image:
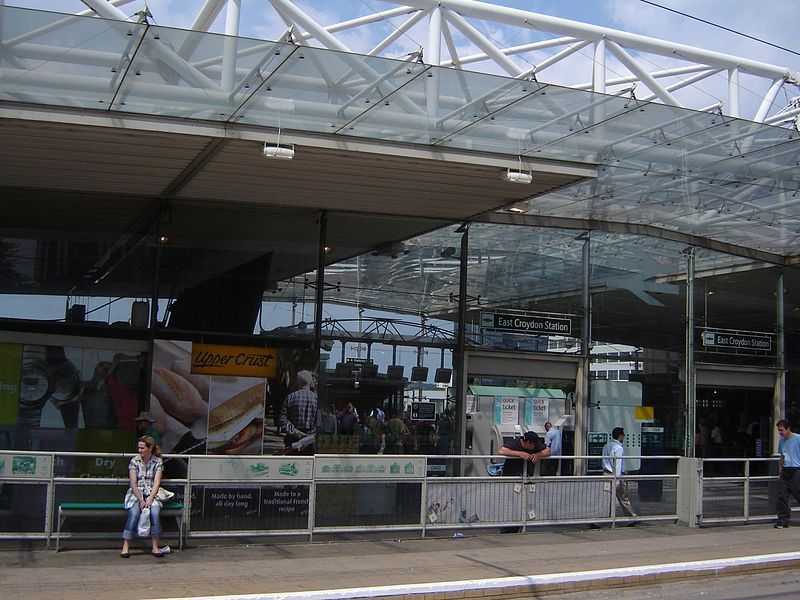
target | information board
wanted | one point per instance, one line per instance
(423, 411)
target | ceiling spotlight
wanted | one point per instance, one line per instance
(327, 249)
(280, 151)
(518, 175)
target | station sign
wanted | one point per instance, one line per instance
(423, 411)
(740, 341)
(531, 324)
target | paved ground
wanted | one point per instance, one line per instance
(261, 567)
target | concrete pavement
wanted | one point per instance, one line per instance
(553, 559)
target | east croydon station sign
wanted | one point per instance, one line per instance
(535, 324)
(741, 341)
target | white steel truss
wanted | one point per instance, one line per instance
(456, 33)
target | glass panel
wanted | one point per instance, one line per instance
(367, 504)
(195, 75)
(216, 279)
(80, 66)
(529, 269)
(23, 507)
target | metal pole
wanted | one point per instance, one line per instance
(779, 402)
(458, 355)
(689, 388)
(582, 385)
(320, 291)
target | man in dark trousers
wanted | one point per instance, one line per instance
(789, 477)
(521, 451)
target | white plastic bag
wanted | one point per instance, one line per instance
(143, 528)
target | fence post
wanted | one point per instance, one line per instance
(747, 490)
(690, 491)
(423, 501)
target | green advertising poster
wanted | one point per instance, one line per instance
(10, 361)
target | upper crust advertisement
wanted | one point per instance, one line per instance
(243, 361)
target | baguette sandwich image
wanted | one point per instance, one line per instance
(237, 425)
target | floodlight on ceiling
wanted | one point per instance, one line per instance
(518, 175)
(278, 150)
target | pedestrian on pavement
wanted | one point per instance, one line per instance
(789, 475)
(552, 440)
(613, 453)
(298, 418)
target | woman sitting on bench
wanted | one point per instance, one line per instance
(145, 472)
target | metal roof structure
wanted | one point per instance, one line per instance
(109, 114)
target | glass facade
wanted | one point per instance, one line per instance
(658, 255)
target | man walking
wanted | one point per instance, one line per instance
(789, 475)
(552, 440)
(613, 452)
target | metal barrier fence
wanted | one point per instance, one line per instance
(737, 490)
(298, 495)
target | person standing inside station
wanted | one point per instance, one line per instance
(552, 440)
(613, 453)
(298, 418)
(789, 475)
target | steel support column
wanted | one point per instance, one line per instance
(460, 378)
(688, 365)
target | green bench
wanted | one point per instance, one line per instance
(116, 509)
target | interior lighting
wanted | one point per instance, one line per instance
(518, 175)
(278, 150)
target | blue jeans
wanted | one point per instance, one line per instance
(133, 521)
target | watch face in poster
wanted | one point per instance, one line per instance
(178, 399)
(236, 415)
(62, 387)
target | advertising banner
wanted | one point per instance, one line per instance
(371, 467)
(199, 413)
(25, 465)
(280, 468)
(10, 362)
(246, 361)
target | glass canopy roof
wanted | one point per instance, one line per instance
(701, 174)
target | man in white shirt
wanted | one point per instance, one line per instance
(613, 452)
(552, 440)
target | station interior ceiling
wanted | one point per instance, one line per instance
(87, 203)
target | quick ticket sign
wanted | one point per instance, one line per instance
(739, 341)
(534, 324)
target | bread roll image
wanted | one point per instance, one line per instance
(158, 412)
(237, 425)
(201, 382)
(177, 396)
